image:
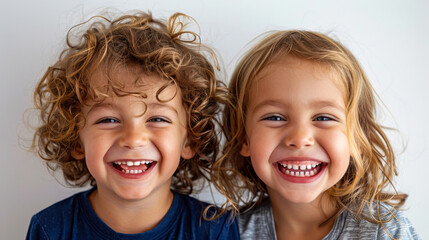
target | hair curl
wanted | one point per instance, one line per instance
(162, 48)
(372, 163)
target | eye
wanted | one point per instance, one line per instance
(107, 120)
(159, 119)
(273, 118)
(324, 118)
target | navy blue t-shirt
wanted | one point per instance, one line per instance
(74, 218)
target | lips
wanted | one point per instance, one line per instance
(304, 170)
(300, 170)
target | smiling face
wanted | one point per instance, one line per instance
(296, 129)
(132, 145)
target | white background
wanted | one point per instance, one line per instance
(390, 39)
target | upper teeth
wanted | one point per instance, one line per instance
(133, 163)
(299, 167)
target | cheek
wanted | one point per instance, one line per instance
(258, 147)
(261, 148)
(338, 149)
(96, 146)
(261, 168)
(170, 143)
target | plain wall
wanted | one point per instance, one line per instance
(389, 38)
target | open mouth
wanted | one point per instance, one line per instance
(133, 167)
(300, 170)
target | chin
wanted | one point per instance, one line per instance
(298, 196)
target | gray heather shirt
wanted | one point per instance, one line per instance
(259, 224)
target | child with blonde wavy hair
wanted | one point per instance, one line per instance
(130, 108)
(304, 156)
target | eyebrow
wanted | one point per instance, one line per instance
(100, 105)
(316, 104)
(330, 104)
(162, 106)
(268, 103)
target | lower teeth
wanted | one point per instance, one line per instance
(132, 171)
(301, 174)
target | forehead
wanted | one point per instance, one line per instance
(292, 78)
(290, 66)
(130, 80)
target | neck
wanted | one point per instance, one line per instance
(302, 220)
(131, 217)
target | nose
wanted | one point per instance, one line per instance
(299, 136)
(134, 136)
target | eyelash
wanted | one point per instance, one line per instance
(159, 119)
(274, 118)
(325, 118)
(107, 120)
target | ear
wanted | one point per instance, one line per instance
(78, 152)
(245, 149)
(187, 151)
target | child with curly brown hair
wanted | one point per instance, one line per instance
(305, 157)
(130, 107)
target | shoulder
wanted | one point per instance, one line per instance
(391, 223)
(63, 207)
(396, 223)
(191, 202)
(257, 223)
(256, 215)
(192, 219)
(190, 207)
(55, 218)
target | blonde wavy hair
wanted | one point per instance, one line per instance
(162, 48)
(372, 161)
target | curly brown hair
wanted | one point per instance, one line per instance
(372, 163)
(162, 48)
